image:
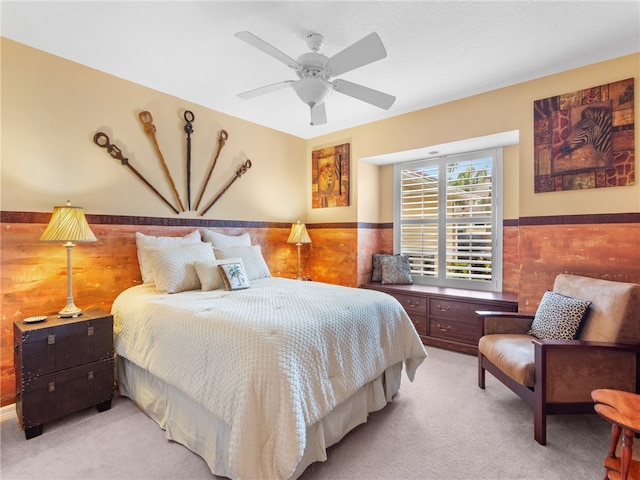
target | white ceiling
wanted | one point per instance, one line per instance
(438, 51)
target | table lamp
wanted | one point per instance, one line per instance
(68, 224)
(298, 236)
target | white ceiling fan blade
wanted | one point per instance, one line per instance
(260, 44)
(361, 53)
(318, 114)
(366, 94)
(266, 89)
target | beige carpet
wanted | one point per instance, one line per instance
(442, 426)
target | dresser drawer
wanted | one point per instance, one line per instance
(59, 344)
(446, 308)
(420, 323)
(412, 304)
(48, 397)
(455, 330)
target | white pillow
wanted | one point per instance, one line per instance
(220, 240)
(174, 267)
(209, 274)
(252, 259)
(143, 241)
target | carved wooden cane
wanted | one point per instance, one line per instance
(150, 129)
(241, 171)
(188, 128)
(222, 138)
(102, 140)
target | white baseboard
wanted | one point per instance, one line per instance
(7, 412)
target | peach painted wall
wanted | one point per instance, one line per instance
(502, 110)
(52, 108)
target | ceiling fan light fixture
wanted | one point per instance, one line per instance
(315, 70)
(312, 90)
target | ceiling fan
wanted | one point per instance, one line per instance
(315, 70)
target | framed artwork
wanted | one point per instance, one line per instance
(330, 177)
(585, 139)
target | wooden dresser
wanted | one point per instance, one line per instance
(63, 365)
(445, 317)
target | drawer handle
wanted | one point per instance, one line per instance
(443, 329)
(90, 331)
(52, 386)
(90, 375)
(51, 339)
(443, 309)
(413, 304)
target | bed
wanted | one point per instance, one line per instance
(261, 380)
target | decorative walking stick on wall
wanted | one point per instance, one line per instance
(102, 140)
(188, 128)
(150, 129)
(222, 139)
(242, 169)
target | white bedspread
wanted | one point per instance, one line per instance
(269, 360)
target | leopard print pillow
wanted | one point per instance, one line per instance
(376, 272)
(396, 270)
(559, 317)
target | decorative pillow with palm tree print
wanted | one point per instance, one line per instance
(209, 274)
(234, 276)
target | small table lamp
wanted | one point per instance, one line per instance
(298, 236)
(68, 224)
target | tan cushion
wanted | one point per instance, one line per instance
(511, 353)
(613, 315)
(253, 262)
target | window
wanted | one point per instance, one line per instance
(448, 219)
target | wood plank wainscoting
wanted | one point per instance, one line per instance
(34, 273)
(535, 250)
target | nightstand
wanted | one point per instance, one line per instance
(63, 365)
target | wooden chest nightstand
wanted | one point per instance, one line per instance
(63, 365)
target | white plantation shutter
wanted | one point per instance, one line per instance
(419, 225)
(448, 220)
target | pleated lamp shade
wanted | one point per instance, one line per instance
(298, 234)
(68, 224)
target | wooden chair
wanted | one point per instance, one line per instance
(558, 376)
(622, 409)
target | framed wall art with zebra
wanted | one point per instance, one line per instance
(585, 139)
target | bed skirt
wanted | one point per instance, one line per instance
(191, 425)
